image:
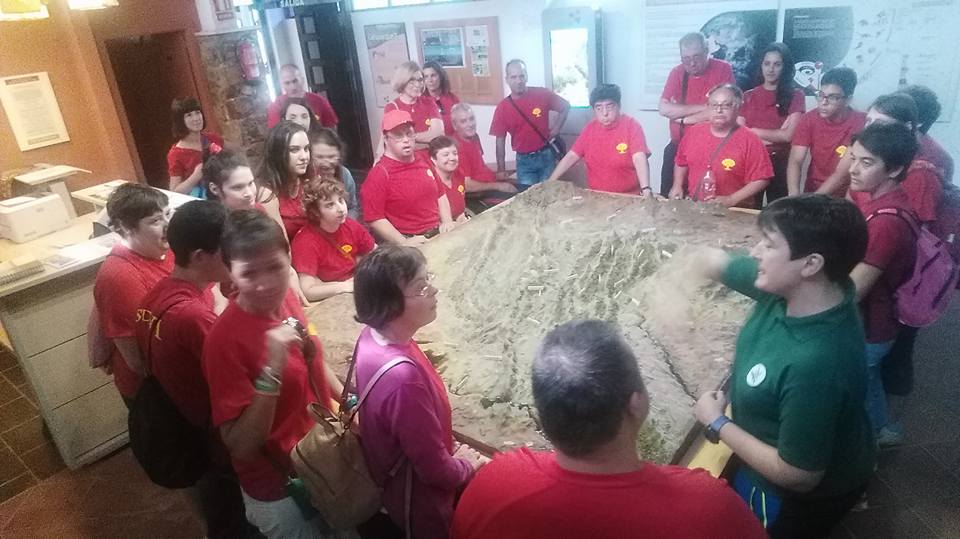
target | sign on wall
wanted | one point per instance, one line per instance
(32, 110)
(387, 47)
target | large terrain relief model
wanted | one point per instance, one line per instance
(557, 253)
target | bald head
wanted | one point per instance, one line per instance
(291, 81)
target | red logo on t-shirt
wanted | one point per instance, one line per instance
(537, 112)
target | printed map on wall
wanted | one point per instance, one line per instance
(387, 47)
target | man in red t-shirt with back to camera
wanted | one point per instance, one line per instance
(720, 161)
(684, 98)
(592, 403)
(293, 85)
(172, 325)
(824, 133)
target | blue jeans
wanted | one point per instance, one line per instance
(534, 167)
(876, 398)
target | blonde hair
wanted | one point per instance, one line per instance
(402, 75)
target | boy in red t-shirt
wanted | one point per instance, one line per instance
(825, 134)
(172, 325)
(879, 159)
(135, 264)
(328, 248)
(595, 484)
(258, 366)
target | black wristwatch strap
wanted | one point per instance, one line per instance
(712, 433)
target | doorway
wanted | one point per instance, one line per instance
(151, 70)
(332, 69)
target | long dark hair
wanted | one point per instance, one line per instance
(274, 169)
(786, 85)
(444, 79)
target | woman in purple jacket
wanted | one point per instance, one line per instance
(405, 422)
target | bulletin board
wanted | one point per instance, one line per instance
(469, 50)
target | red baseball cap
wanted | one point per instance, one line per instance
(395, 118)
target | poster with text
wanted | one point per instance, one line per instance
(819, 39)
(387, 48)
(32, 110)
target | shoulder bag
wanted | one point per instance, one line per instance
(556, 144)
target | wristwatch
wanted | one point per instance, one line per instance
(712, 432)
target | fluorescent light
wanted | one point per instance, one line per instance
(92, 4)
(22, 10)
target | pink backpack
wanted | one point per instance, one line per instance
(947, 225)
(923, 297)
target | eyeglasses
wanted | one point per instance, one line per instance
(830, 98)
(722, 107)
(415, 79)
(427, 290)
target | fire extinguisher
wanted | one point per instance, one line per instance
(249, 59)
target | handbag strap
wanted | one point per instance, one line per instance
(713, 155)
(154, 326)
(528, 120)
(373, 381)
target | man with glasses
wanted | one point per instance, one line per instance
(824, 133)
(684, 97)
(403, 200)
(525, 115)
(719, 161)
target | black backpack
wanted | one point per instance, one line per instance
(174, 452)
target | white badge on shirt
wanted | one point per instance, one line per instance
(756, 375)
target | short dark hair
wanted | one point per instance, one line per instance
(900, 106)
(273, 172)
(583, 376)
(218, 168)
(844, 77)
(248, 233)
(444, 78)
(440, 143)
(180, 107)
(815, 223)
(378, 283)
(895, 144)
(928, 105)
(133, 201)
(605, 92)
(196, 225)
(314, 122)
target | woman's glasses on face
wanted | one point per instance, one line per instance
(428, 288)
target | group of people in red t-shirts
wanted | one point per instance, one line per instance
(211, 301)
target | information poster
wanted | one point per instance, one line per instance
(478, 41)
(32, 110)
(387, 48)
(443, 45)
(819, 39)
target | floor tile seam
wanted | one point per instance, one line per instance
(932, 529)
(25, 492)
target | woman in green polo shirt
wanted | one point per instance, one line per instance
(799, 380)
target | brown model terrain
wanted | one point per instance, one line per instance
(557, 253)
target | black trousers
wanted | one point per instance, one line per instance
(222, 505)
(778, 185)
(896, 371)
(812, 519)
(666, 171)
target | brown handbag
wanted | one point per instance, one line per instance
(330, 462)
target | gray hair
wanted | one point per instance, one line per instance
(584, 375)
(461, 107)
(515, 61)
(694, 38)
(732, 88)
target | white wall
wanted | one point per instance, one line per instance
(521, 35)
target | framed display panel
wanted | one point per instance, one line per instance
(469, 50)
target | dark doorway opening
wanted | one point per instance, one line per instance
(151, 70)
(332, 69)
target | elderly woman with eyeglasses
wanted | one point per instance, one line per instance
(408, 82)
(405, 420)
(719, 161)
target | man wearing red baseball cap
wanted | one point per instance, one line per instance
(403, 201)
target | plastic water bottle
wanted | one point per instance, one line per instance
(708, 188)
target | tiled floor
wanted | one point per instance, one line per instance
(915, 493)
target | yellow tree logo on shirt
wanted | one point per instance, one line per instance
(537, 112)
(427, 121)
(345, 250)
(728, 164)
(429, 173)
(841, 149)
(622, 147)
(460, 188)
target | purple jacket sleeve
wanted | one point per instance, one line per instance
(410, 409)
